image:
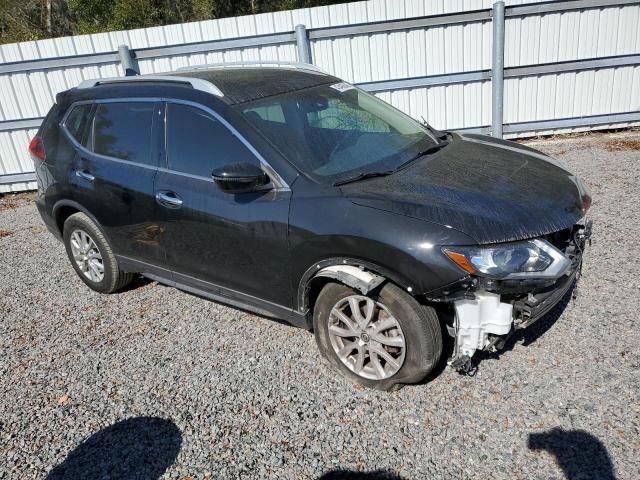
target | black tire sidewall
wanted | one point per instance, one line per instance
(82, 222)
(419, 325)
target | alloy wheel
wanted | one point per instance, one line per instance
(366, 337)
(87, 255)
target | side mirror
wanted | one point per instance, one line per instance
(240, 177)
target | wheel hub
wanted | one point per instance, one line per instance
(87, 255)
(366, 337)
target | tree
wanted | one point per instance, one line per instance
(22, 20)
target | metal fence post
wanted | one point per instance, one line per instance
(129, 63)
(304, 47)
(497, 70)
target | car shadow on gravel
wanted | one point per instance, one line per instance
(352, 475)
(579, 454)
(140, 447)
(138, 282)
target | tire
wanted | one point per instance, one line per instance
(419, 329)
(97, 251)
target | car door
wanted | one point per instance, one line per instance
(212, 238)
(113, 173)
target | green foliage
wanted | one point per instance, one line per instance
(22, 20)
(91, 16)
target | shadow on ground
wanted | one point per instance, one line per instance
(140, 447)
(579, 454)
(138, 282)
(351, 475)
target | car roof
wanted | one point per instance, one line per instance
(244, 84)
(233, 84)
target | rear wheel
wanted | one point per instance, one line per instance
(380, 341)
(91, 255)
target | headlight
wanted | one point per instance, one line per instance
(530, 259)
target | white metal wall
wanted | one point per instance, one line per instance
(431, 51)
(369, 57)
(528, 41)
(570, 36)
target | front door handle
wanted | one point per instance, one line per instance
(86, 175)
(169, 200)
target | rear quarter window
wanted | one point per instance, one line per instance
(77, 122)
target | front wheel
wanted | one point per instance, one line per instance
(381, 341)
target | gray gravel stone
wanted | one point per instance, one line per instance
(153, 379)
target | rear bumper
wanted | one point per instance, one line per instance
(48, 220)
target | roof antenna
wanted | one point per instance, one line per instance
(128, 61)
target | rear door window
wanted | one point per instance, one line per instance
(197, 142)
(123, 130)
(77, 122)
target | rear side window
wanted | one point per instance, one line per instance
(123, 130)
(77, 122)
(197, 142)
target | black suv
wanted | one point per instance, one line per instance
(290, 193)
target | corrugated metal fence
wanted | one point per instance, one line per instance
(567, 64)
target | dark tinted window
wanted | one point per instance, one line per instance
(78, 120)
(197, 142)
(123, 130)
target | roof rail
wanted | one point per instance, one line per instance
(254, 63)
(196, 83)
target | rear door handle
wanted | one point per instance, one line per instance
(169, 200)
(86, 175)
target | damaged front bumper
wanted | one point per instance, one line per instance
(489, 311)
(535, 306)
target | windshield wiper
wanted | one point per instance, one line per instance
(431, 149)
(362, 176)
(384, 173)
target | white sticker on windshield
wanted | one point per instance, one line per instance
(342, 86)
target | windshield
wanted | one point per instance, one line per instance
(334, 132)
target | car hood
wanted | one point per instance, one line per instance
(491, 190)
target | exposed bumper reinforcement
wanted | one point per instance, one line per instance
(534, 307)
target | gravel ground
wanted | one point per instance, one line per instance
(153, 381)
